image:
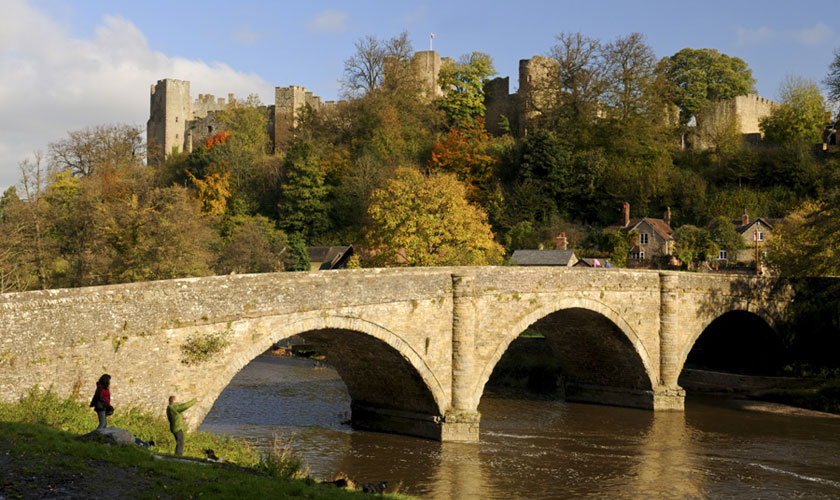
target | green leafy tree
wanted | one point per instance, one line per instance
(801, 116)
(698, 76)
(694, 245)
(806, 243)
(463, 87)
(298, 256)
(723, 233)
(251, 244)
(156, 234)
(426, 221)
(303, 208)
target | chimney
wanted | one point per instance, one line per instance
(626, 210)
(560, 242)
(745, 219)
(667, 216)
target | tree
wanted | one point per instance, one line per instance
(801, 116)
(463, 87)
(252, 244)
(470, 153)
(426, 221)
(723, 233)
(366, 70)
(629, 76)
(697, 76)
(304, 206)
(694, 244)
(84, 152)
(574, 85)
(832, 81)
(157, 234)
(806, 243)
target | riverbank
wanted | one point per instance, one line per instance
(39, 458)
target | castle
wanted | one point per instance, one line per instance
(176, 122)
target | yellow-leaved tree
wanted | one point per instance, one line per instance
(418, 220)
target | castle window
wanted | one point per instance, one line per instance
(177, 136)
(209, 129)
(176, 119)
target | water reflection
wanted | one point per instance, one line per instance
(666, 463)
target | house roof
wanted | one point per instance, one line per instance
(659, 225)
(770, 223)
(544, 257)
(329, 257)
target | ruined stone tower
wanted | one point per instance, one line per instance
(170, 110)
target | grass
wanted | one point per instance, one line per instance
(824, 398)
(39, 457)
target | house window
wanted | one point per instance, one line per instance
(641, 255)
(723, 255)
(760, 236)
(643, 239)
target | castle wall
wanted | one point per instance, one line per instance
(499, 102)
(750, 109)
(205, 103)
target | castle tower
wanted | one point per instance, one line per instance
(426, 65)
(287, 102)
(169, 112)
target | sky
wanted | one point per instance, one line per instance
(70, 64)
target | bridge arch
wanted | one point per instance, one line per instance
(744, 310)
(578, 308)
(373, 348)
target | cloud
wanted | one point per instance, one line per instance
(819, 34)
(52, 82)
(329, 21)
(244, 35)
(753, 36)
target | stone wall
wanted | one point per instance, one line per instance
(415, 347)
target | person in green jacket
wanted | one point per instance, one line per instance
(176, 421)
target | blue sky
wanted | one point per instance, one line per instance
(65, 65)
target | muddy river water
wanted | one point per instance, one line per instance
(540, 449)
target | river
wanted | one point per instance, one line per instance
(539, 449)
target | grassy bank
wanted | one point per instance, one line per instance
(40, 458)
(824, 398)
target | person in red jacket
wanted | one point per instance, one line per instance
(101, 401)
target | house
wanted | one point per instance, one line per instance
(324, 258)
(760, 230)
(655, 235)
(560, 256)
(564, 258)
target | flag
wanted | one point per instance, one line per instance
(431, 35)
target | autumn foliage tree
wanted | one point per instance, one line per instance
(418, 220)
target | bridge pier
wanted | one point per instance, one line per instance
(669, 395)
(460, 423)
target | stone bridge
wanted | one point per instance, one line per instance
(415, 346)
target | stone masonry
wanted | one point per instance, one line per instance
(415, 347)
